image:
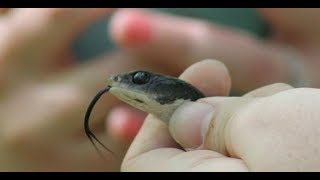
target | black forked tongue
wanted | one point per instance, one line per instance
(88, 132)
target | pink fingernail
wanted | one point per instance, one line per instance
(132, 28)
(138, 29)
(124, 124)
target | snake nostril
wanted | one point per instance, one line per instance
(115, 78)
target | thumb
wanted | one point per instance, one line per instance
(192, 122)
(203, 123)
(272, 133)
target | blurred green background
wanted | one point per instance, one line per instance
(95, 41)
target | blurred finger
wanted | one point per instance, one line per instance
(184, 41)
(34, 37)
(124, 122)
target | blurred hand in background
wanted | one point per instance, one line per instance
(291, 55)
(44, 93)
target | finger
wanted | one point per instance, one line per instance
(34, 38)
(124, 122)
(210, 76)
(251, 63)
(193, 119)
(154, 134)
(192, 161)
(213, 79)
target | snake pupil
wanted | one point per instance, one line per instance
(140, 78)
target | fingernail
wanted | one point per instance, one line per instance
(189, 123)
(131, 27)
(123, 123)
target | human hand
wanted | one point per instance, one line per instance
(273, 128)
(44, 94)
(291, 56)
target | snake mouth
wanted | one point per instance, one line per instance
(131, 95)
(111, 81)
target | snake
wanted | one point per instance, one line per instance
(153, 93)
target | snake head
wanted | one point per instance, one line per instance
(153, 93)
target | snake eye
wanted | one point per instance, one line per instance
(140, 77)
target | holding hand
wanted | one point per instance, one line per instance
(273, 128)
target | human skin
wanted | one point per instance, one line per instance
(272, 128)
(44, 94)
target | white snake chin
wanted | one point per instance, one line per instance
(146, 104)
